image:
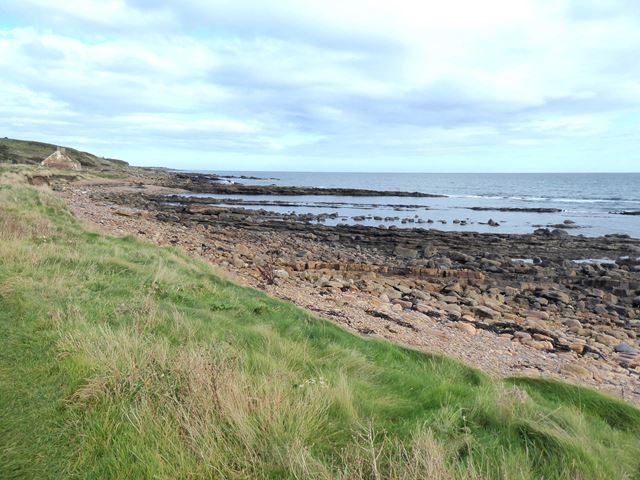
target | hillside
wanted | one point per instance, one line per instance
(119, 359)
(30, 152)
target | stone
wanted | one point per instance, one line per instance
(538, 344)
(243, 250)
(392, 293)
(511, 292)
(636, 302)
(540, 315)
(403, 303)
(520, 336)
(624, 348)
(449, 299)
(605, 339)
(486, 312)
(404, 252)
(281, 273)
(533, 322)
(466, 328)
(238, 263)
(576, 347)
(557, 296)
(419, 294)
(576, 370)
(573, 325)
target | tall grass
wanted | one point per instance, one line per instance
(123, 360)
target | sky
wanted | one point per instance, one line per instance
(349, 85)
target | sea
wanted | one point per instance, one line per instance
(592, 201)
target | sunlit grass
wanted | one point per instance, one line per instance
(120, 359)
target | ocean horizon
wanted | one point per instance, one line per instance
(590, 204)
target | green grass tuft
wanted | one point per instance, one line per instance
(119, 359)
(32, 153)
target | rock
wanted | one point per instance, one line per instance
(556, 232)
(573, 325)
(486, 312)
(404, 252)
(624, 348)
(576, 370)
(392, 293)
(511, 292)
(238, 263)
(636, 302)
(420, 295)
(557, 296)
(533, 322)
(449, 299)
(605, 339)
(538, 344)
(540, 315)
(576, 347)
(600, 309)
(520, 336)
(281, 273)
(493, 223)
(403, 303)
(466, 328)
(453, 309)
(243, 250)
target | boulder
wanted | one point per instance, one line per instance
(557, 296)
(466, 328)
(607, 340)
(573, 325)
(281, 273)
(575, 370)
(486, 312)
(404, 252)
(624, 348)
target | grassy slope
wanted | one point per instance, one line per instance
(30, 152)
(123, 360)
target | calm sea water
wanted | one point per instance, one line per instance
(590, 200)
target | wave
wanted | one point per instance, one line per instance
(549, 199)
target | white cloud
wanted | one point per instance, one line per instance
(323, 78)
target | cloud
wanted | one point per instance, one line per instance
(407, 79)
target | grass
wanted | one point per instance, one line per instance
(29, 152)
(25, 173)
(119, 359)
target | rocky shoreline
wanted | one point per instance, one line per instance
(538, 304)
(209, 183)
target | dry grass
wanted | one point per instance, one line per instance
(122, 360)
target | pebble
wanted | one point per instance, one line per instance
(624, 348)
(466, 328)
